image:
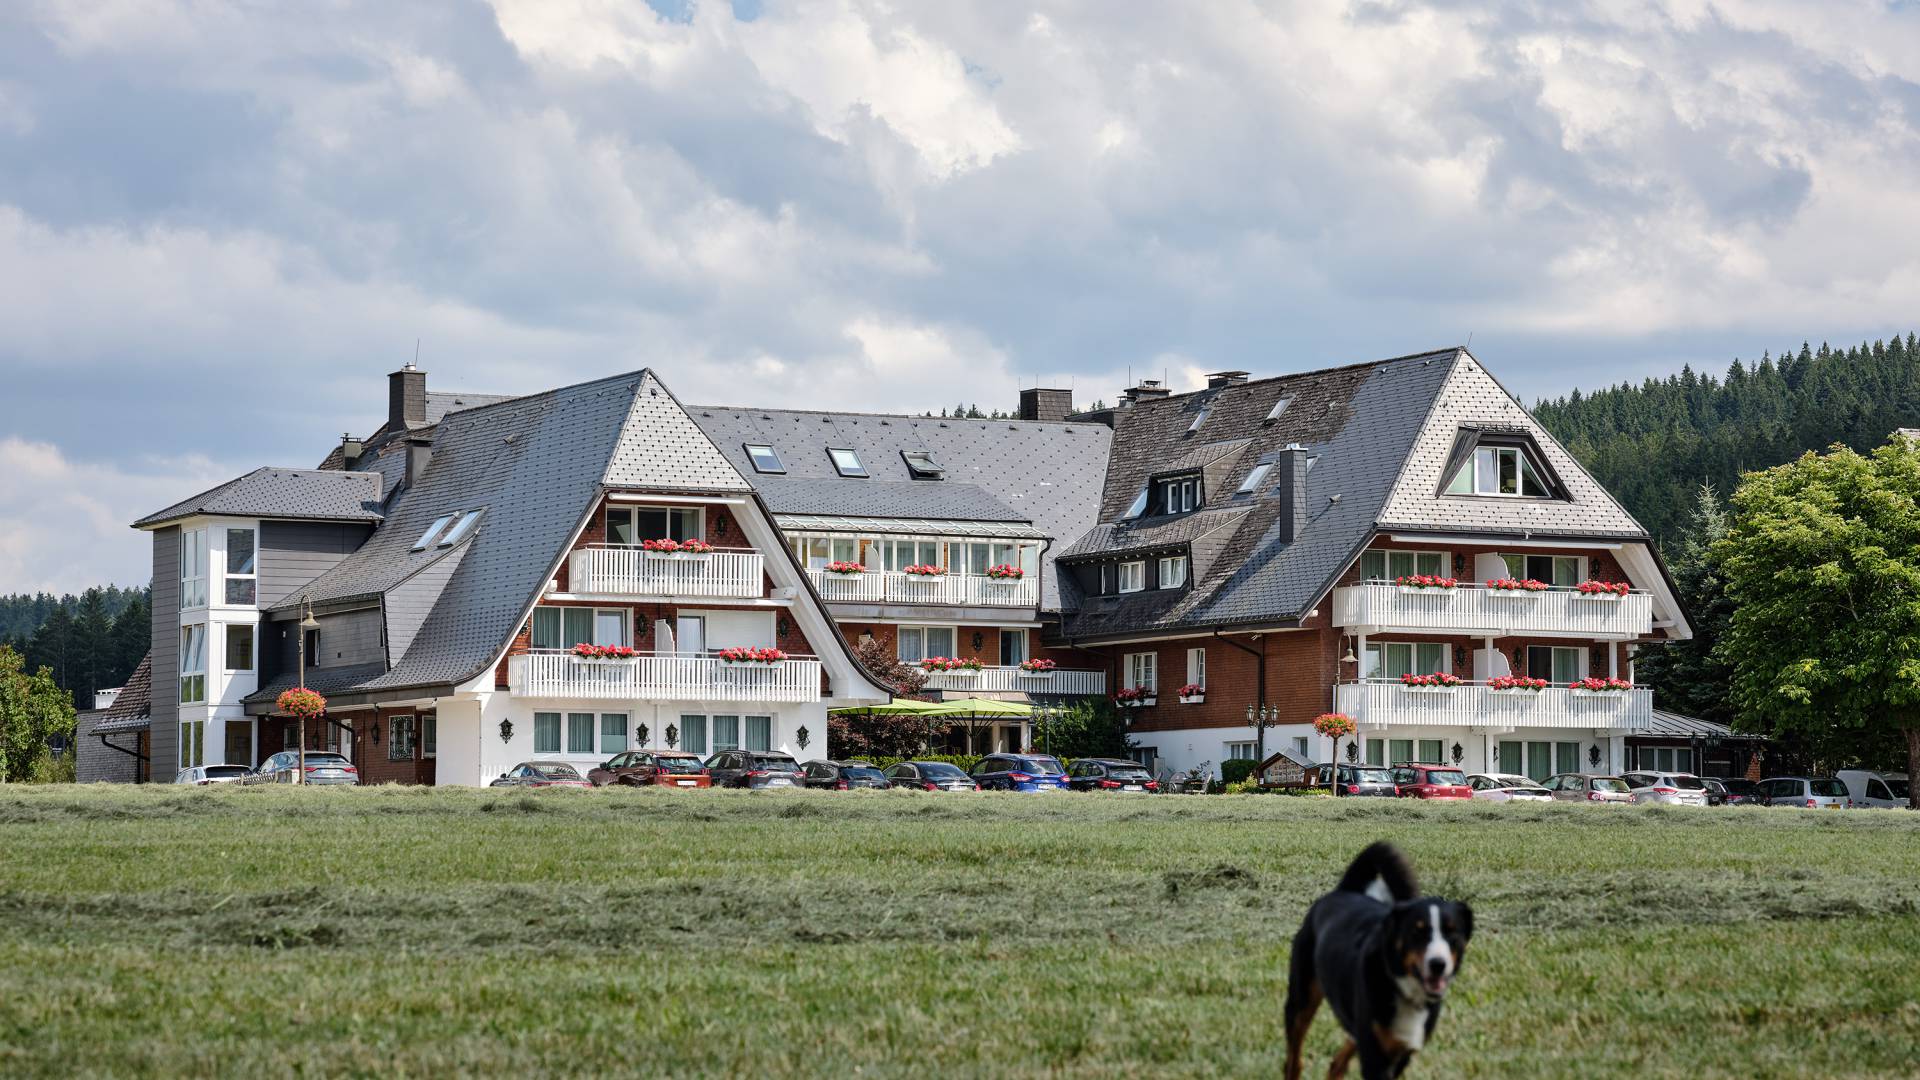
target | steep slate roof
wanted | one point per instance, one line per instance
(941, 501)
(1040, 471)
(1358, 423)
(533, 465)
(295, 494)
(132, 708)
(439, 404)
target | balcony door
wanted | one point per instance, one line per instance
(900, 554)
(1555, 663)
(565, 627)
(1392, 659)
(1562, 570)
(631, 525)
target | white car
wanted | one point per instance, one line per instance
(1507, 787)
(1877, 790)
(1672, 788)
(213, 774)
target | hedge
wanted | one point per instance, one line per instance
(1236, 770)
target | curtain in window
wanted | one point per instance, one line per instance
(1511, 761)
(759, 732)
(1376, 751)
(613, 732)
(1431, 751)
(693, 733)
(1566, 757)
(1013, 646)
(726, 733)
(580, 733)
(400, 738)
(1539, 760)
(1401, 750)
(546, 733)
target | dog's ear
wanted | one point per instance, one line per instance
(1466, 921)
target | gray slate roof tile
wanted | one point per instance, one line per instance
(268, 492)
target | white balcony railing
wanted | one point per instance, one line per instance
(683, 677)
(618, 570)
(1378, 704)
(1057, 681)
(1475, 607)
(895, 587)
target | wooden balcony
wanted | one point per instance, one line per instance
(1477, 610)
(618, 570)
(953, 590)
(682, 677)
(1057, 681)
(1383, 703)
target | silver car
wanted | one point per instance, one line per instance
(323, 767)
(1815, 792)
(1589, 787)
(1507, 787)
(214, 774)
(1671, 788)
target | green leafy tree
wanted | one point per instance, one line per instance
(1690, 677)
(1822, 568)
(32, 709)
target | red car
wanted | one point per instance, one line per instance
(1431, 782)
(651, 768)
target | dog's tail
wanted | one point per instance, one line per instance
(1382, 873)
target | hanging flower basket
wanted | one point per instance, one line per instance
(1193, 694)
(1507, 586)
(1037, 668)
(1517, 685)
(1600, 686)
(1426, 583)
(1334, 725)
(1602, 590)
(301, 703)
(1439, 682)
(744, 655)
(849, 569)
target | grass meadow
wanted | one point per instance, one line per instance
(421, 932)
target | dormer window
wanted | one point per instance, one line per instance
(1177, 495)
(765, 458)
(846, 462)
(1503, 468)
(920, 463)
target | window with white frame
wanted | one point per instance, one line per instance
(1179, 494)
(1499, 470)
(919, 642)
(580, 732)
(631, 525)
(1131, 577)
(1013, 646)
(1562, 570)
(400, 735)
(1278, 408)
(1556, 663)
(613, 733)
(565, 627)
(546, 733)
(1300, 745)
(693, 733)
(726, 731)
(1173, 571)
(193, 568)
(846, 463)
(1377, 564)
(1142, 670)
(433, 532)
(1392, 659)
(460, 528)
(1139, 504)
(241, 576)
(1240, 751)
(1254, 478)
(193, 743)
(898, 554)
(239, 646)
(193, 663)
(1197, 667)
(815, 552)
(759, 732)
(765, 458)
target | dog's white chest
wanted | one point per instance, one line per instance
(1409, 1027)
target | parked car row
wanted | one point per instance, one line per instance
(771, 769)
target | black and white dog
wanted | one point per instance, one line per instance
(1381, 956)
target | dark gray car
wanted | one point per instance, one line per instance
(754, 769)
(930, 776)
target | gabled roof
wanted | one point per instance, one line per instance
(132, 707)
(1358, 423)
(439, 404)
(1044, 472)
(291, 494)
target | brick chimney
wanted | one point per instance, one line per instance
(1041, 404)
(406, 399)
(1225, 378)
(1292, 467)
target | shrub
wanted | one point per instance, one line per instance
(1236, 770)
(963, 762)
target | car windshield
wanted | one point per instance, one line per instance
(1827, 789)
(556, 772)
(1447, 777)
(681, 765)
(1132, 774)
(862, 772)
(941, 770)
(1610, 783)
(1688, 783)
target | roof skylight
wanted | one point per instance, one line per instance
(846, 462)
(433, 530)
(1199, 418)
(765, 458)
(1278, 408)
(461, 528)
(1253, 479)
(921, 464)
(1139, 505)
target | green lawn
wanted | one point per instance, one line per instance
(407, 931)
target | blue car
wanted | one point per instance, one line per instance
(1019, 772)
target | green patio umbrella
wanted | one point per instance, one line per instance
(981, 707)
(896, 707)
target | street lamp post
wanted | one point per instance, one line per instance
(307, 622)
(1261, 717)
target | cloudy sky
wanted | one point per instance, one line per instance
(222, 221)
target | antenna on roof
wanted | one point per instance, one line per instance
(1469, 343)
